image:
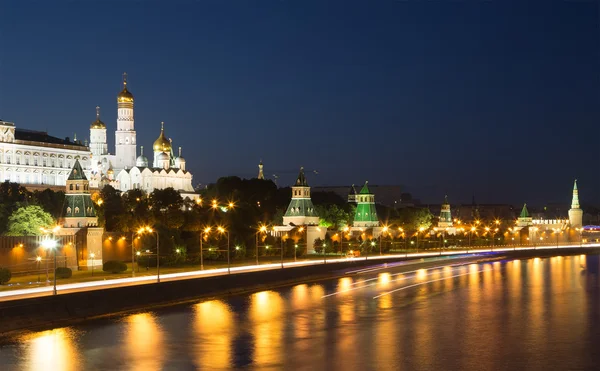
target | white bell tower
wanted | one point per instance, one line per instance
(125, 141)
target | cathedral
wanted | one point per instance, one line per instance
(125, 170)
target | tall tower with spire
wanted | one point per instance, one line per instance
(98, 145)
(261, 174)
(445, 220)
(575, 213)
(125, 138)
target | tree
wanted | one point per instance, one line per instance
(414, 218)
(332, 216)
(12, 196)
(50, 201)
(27, 221)
(112, 211)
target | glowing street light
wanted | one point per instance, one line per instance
(38, 259)
(222, 230)
(50, 243)
(261, 229)
(150, 230)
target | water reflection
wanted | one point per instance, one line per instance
(509, 315)
(266, 310)
(213, 327)
(144, 344)
(52, 350)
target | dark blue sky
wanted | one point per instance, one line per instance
(496, 98)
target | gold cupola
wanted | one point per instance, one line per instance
(125, 95)
(97, 124)
(162, 144)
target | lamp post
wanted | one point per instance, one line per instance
(38, 259)
(92, 255)
(150, 230)
(473, 229)
(222, 230)
(306, 242)
(345, 230)
(282, 252)
(421, 229)
(385, 229)
(50, 243)
(202, 234)
(263, 229)
(138, 260)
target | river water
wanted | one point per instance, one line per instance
(536, 314)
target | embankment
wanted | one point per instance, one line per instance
(54, 311)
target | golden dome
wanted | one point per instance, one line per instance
(97, 124)
(125, 95)
(162, 144)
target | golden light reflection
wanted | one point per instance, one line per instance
(385, 302)
(266, 308)
(213, 327)
(143, 337)
(422, 274)
(52, 350)
(300, 296)
(344, 283)
(384, 279)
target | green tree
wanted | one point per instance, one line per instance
(412, 218)
(27, 221)
(332, 216)
(12, 196)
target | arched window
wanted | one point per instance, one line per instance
(70, 187)
(77, 187)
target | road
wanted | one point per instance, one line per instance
(145, 280)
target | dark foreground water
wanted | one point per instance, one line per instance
(538, 314)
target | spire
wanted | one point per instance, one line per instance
(365, 189)
(74, 137)
(179, 151)
(301, 181)
(261, 174)
(524, 212)
(141, 150)
(575, 200)
(446, 200)
(162, 126)
(77, 172)
(124, 80)
(97, 113)
(352, 190)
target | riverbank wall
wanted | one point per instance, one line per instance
(63, 309)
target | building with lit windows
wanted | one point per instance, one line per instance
(35, 158)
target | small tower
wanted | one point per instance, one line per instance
(78, 208)
(445, 215)
(125, 142)
(98, 145)
(180, 161)
(301, 210)
(141, 161)
(261, 175)
(575, 213)
(352, 195)
(162, 150)
(524, 220)
(366, 214)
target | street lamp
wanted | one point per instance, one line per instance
(93, 256)
(222, 230)
(385, 229)
(421, 229)
(50, 243)
(202, 234)
(473, 229)
(150, 230)
(263, 229)
(38, 259)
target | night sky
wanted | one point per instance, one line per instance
(493, 98)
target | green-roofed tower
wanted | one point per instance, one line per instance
(366, 214)
(78, 208)
(301, 210)
(524, 219)
(575, 213)
(445, 220)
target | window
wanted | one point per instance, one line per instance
(70, 187)
(76, 210)
(77, 187)
(69, 210)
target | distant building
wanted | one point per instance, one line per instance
(388, 195)
(35, 158)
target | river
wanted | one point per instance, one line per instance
(533, 314)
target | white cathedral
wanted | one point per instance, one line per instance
(125, 170)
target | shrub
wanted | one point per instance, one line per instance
(63, 272)
(114, 266)
(5, 275)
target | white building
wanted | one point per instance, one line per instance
(125, 170)
(36, 158)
